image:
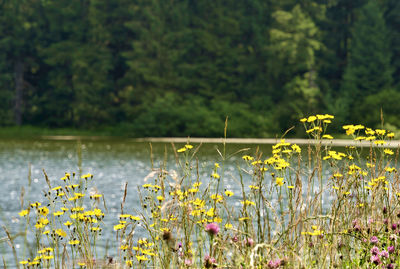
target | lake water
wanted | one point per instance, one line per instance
(112, 162)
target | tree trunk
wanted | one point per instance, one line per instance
(19, 87)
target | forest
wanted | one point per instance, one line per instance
(180, 67)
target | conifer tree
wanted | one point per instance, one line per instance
(369, 69)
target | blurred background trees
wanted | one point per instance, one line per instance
(178, 68)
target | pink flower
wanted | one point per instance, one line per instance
(212, 228)
(391, 249)
(374, 240)
(209, 261)
(375, 260)
(384, 254)
(188, 262)
(374, 250)
(249, 242)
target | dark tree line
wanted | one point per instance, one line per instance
(179, 67)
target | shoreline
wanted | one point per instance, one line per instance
(268, 141)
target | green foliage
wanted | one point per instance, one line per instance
(145, 65)
(387, 101)
(369, 70)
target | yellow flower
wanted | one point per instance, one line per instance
(37, 204)
(61, 233)
(290, 187)
(228, 193)
(58, 213)
(181, 150)
(68, 223)
(247, 202)
(279, 181)
(188, 146)
(311, 119)
(327, 136)
(118, 227)
(228, 226)
(141, 258)
(388, 151)
(303, 120)
(247, 158)
(23, 213)
(74, 242)
(215, 175)
(87, 176)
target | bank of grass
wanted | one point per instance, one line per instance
(276, 218)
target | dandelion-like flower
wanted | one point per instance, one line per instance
(212, 228)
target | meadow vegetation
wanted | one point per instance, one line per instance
(279, 218)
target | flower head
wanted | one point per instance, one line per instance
(212, 228)
(373, 240)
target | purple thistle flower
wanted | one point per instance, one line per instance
(394, 226)
(212, 228)
(374, 240)
(249, 242)
(374, 250)
(274, 264)
(375, 260)
(384, 254)
(390, 249)
(390, 266)
(209, 261)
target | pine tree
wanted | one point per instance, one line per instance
(369, 70)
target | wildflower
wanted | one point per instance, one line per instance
(384, 254)
(388, 151)
(228, 193)
(290, 187)
(215, 175)
(68, 224)
(141, 258)
(311, 118)
(375, 259)
(247, 158)
(374, 250)
(247, 202)
(188, 146)
(118, 227)
(212, 228)
(209, 261)
(279, 181)
(181, 150)
(61, 232)
(272, 264)
(228, 226)
(74, 242)
(87, 176)
(373, 240)
(390, 249)
(327, 136)
(249, 242)
(188, 262)
(23, 213)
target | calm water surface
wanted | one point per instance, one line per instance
(112, 162)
